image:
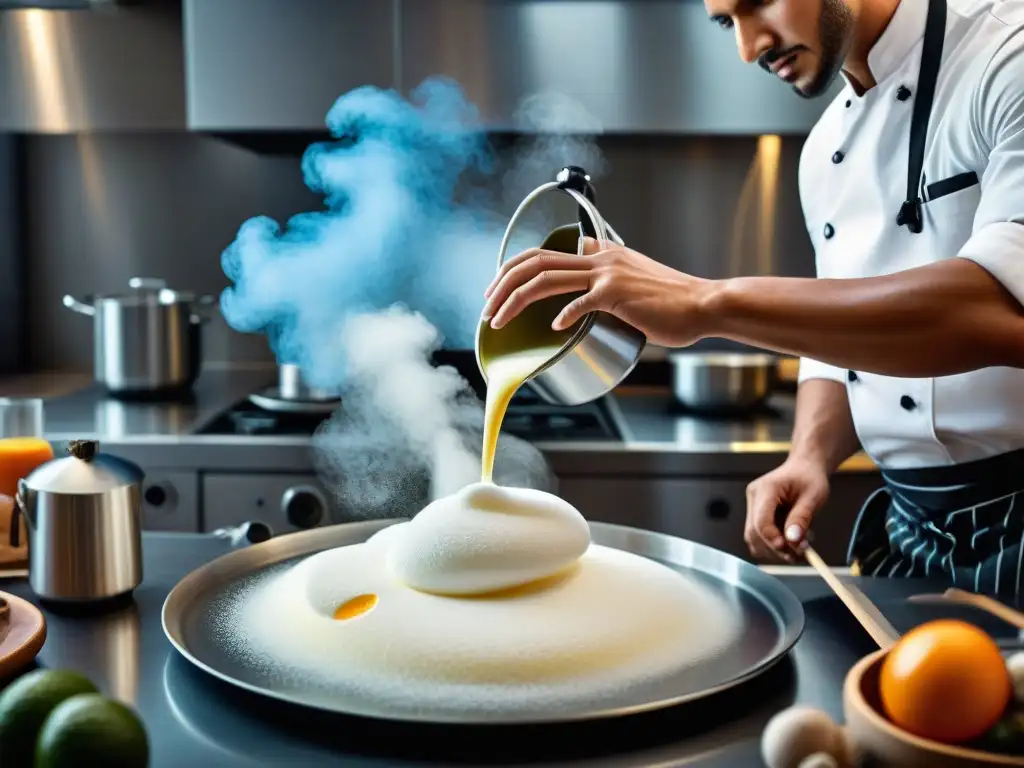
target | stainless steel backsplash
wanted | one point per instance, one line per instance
(102, 208)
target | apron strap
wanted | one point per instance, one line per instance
(931, 60)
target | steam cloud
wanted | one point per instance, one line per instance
(400, 255)
(409, 431)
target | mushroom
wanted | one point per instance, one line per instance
(803, 737)
(1015, 666)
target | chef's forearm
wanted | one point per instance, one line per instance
(941, 319)
(823, 431)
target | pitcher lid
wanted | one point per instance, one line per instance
(84, 471)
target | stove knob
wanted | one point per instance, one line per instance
(718, 509)
(304, 506)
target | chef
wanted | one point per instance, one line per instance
(911, 338)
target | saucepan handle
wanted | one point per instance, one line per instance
(16, 515)
(601, 228)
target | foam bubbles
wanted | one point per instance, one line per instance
(487, 538)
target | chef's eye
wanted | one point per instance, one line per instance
(725, 22)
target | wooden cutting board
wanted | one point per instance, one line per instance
(22, 634)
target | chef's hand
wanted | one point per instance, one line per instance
(664, 304)
(798, 488)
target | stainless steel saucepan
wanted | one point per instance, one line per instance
(603, 350)
(723, 381)
(147, 341)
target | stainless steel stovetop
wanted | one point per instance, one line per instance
(528, 417)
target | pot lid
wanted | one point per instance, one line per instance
(85, 471)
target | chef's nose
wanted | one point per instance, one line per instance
(753, 39)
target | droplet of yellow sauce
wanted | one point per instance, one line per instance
(357, 606)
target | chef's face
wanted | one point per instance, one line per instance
(802, 42)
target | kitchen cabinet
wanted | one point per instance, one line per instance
(654, 66)
(280, 65)
(710, 511)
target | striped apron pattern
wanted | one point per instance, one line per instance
(963, 522)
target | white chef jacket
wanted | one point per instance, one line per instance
(853, 180)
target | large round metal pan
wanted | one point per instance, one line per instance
(772, 621)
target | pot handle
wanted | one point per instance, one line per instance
(202, 309)
(602, 229)
(79, 306)
(19, 511)
(147, 284)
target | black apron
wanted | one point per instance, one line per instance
(964, 522)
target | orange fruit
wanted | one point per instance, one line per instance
(946, 681)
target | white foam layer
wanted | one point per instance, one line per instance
(486, 538)
(611, 622)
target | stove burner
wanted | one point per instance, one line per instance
(539, 421)
(527, 418)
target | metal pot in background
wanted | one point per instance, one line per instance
(293, 395)
(148, 341)
(83, 516)
(722, 381)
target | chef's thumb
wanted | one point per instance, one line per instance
(798, 522)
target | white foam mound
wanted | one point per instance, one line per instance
(487, 538)
(593, 631)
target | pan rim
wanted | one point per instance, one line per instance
(773, 596)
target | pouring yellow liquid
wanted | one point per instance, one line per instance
(510, 356)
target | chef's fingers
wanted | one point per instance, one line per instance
(510, 264)
(765, 500)
(526, 270)
(535, 256)
(798, 521)
(577, 308)
(761, 534)
(542, 286)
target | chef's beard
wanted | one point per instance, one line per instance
(834, 28)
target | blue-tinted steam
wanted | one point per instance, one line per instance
(360, 294)
(391, 232)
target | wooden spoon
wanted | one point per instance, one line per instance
(999, 610)
(874, 623)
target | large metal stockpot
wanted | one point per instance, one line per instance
(147, 341)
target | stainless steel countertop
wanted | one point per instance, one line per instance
(192, 719)
(655, 439)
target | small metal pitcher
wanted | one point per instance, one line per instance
(602, 349)
(83, 515)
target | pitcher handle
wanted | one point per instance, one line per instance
(601, 227)
(16, 515)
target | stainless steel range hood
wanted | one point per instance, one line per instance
(277, 66)
(68, 71)
(650, 66)
(60, 5)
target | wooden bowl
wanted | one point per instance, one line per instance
(22, 634)
(868, 730)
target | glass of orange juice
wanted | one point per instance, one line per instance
(22, 447)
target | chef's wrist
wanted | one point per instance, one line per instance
(713, 303)
(811, 458)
